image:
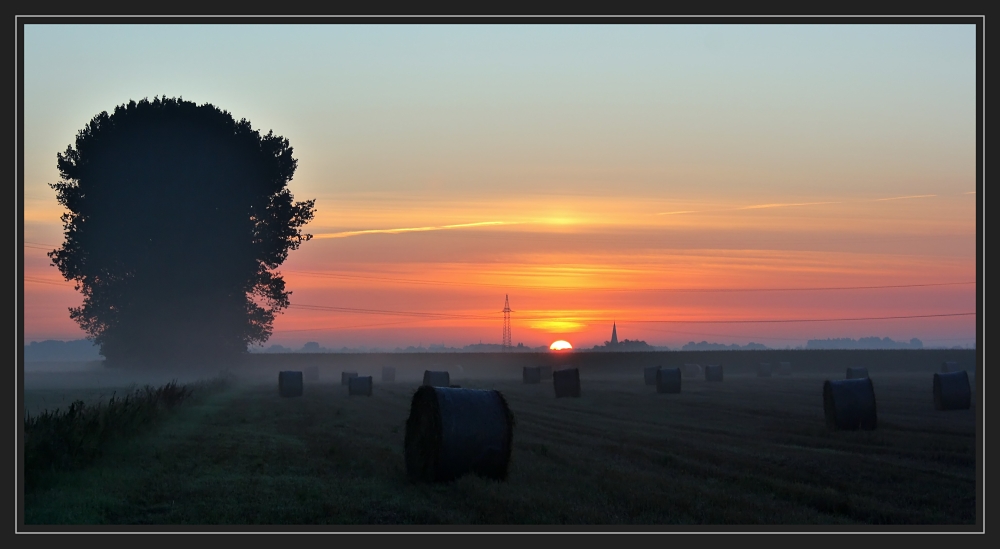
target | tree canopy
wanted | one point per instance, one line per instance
(178, 216)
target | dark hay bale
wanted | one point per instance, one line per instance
(360, 386)
(784, 368)
(668, 380)
(857, 373)
(952, 391)
(763, 369)
(649, 375)
(388, 374)
(436, 379)
(566, 382)
(531, 375)
(453, 432)
(546, 373)
(346, 376)
(849, 404)
(713, 372)
(949, 367)
(691, 370)
(290, 383)
(311, 373)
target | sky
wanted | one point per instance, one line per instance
(685, 182)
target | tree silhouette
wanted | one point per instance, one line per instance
(178, 217)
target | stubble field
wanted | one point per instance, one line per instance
(747, 451)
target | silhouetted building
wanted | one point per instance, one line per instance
(625, 345)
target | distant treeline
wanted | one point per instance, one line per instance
(85, 350)
(863, 343)
(54, 350)
(706, 346)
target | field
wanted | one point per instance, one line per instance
(747, 451)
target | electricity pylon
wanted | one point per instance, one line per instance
(506, 323)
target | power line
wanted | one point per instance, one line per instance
(388, 312)
(44, 281)
(585, 288)
(348, 327)
(797, 319)
(483, 317)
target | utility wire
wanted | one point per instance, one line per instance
(44, 281)
(485, 317)
(585, 288)
(795, 320)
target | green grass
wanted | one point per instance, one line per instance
(748, 451)
(72, 437)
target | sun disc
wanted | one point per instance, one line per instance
(560, 345)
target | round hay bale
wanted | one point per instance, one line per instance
(290, 383)
(949, 367)
(453, 432)
(952, 391)
(359, 386)
(566, 382)
(546, 373)
(388, 374)
(713, 372)
(668, 380)
(531, 375)
(346, 376)
(857, 373)
(649, 375)
(849, 404)
(436, 378)
(311, 374)
(763, 369)
(784, 368)
(691, 370)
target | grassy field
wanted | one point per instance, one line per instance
(748, 451)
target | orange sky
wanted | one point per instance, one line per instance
(573, 267)
(587, 171)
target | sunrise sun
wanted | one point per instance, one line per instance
(560, 346)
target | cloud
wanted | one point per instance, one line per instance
(902, 197)
(754, 207)
(345, 234)
(789, 204)
(758, 206)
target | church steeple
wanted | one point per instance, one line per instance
(614, 334)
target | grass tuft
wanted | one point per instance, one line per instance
(73, 438)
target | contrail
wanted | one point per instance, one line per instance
(783, 205)
(902, 197)
(411, 229)
(754, 207)
(758, 206)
